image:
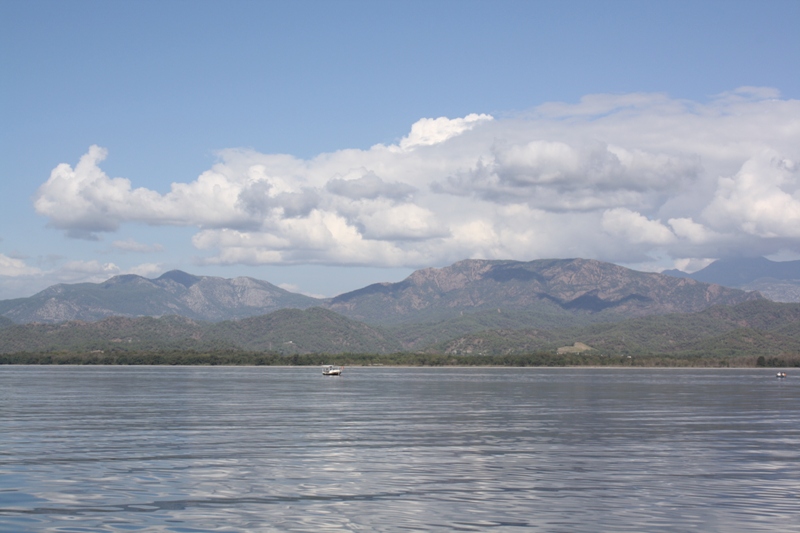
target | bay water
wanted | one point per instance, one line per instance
(230, 449)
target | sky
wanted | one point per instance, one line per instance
(323, 146)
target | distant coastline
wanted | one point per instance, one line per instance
(541, 359)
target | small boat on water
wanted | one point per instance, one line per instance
(332, 370)
(780, 375)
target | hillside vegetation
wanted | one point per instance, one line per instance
(755, 328)
(752, 328)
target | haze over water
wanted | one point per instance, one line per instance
(187, 449)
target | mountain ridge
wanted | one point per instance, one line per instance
(173, 293)
(545, 287)
(552, 286)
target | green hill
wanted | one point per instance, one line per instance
(312, 330)
(754, 328)
(757, 327)
(287, 331)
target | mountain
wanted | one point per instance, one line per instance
(776, 280)
(470, 307)
(551, 291)
(173, 293)
(551, 287)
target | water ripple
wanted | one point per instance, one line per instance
(110, 449)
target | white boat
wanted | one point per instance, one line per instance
(332, 370)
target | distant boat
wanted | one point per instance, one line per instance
(332, 370)
(780, 375)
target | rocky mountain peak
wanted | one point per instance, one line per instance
(455, 276)
(180, 277)
(126, 279)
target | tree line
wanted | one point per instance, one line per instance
(247, 358)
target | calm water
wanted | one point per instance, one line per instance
(383, 449)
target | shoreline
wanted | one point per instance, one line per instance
(402, 360)
(438, 367)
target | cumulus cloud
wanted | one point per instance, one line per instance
(88, 271)
(369, 187)
(691, 231)
(147, 270)
(692, 264)
(430, 131)
(762, 199)
(635, 228)
(12, 267)
(614, 177)
(584, 176)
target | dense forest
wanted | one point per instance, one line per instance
(243, 358)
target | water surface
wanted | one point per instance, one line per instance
(224, 449)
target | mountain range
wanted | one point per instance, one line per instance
(470, 307)
(174, 293)
(563, 289)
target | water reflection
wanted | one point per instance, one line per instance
(385, 449)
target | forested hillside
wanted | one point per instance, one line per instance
(754, 328)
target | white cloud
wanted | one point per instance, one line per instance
(402, 222)
(762, 199)
(93, 271)
(430, 131)
(688, 229)
(12, 267)
(369, 186)
(591, 179)
(147, 270)
(635, 228)
(692, 264)
(582, 176)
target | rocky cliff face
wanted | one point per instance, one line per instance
(549, 286)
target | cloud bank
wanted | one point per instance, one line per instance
(624, 178)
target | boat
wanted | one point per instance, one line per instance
(332, 370)
(780, 375)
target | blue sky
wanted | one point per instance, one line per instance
(323, 146)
